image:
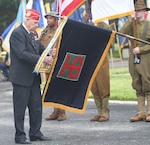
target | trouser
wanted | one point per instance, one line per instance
(58, 110)
(101, 89)
(140, 81)
(30, 97)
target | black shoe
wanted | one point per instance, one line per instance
(23, 141)
(40, 138)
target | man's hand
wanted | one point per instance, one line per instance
(53, 52)
(49, 60)
(136, 50)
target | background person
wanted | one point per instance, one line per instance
(101, 85)
(45, 38)
(139, 59)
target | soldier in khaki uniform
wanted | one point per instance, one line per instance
(45, 38)
(101, 86)
(139, 60)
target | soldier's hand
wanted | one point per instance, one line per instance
(136, 50)
(132, 17)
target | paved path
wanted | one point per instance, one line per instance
(77, 129)
(118, 63)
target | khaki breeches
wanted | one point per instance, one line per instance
(140, 74)
(101, 84)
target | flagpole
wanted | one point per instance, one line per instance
(131, 37)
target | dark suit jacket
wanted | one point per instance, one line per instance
(23, 57)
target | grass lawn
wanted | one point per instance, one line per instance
(120, 85)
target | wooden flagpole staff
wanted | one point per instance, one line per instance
(131, 37)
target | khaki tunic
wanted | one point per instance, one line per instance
(45, 38)
(140, 73)
(46, 35)
(101, 84)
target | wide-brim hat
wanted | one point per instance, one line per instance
(140, 5)
(53, 14)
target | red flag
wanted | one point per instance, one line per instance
(67, 7)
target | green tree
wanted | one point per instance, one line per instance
(8, 12)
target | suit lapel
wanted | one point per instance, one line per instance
(31, 40)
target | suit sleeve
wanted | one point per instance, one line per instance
(21, 47)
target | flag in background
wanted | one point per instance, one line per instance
(19, 18)
(110, 9)
(53, 6)
(77, 15)
(123, 41)
(21, 12)
(67, 7)
(6, 31)
(36, 4)
(79, 59)
(39, 6)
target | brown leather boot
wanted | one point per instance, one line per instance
(95, 118)
(138, 117)
(53, 116)
(62, 115)
(103, 119)
(148, 118)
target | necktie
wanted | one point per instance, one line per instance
(33, 40)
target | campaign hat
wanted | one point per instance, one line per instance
(140, 5)
(53, 14)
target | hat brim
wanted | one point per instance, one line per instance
(146, 9)
(56, 16)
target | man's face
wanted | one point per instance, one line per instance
(51, 21)
(32, 24)
(139, 14)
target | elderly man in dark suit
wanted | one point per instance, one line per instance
(25, 52)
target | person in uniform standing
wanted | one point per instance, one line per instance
(139, 59)
(25, 52)
(46, 36)
(101, 85)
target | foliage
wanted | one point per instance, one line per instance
(6, 17)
